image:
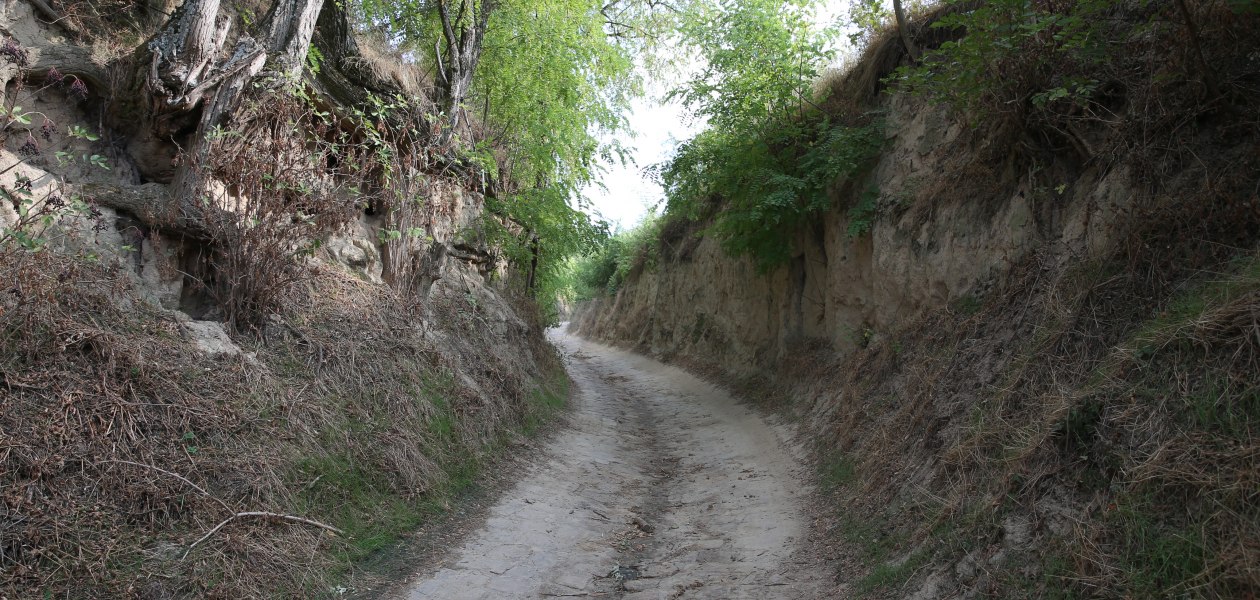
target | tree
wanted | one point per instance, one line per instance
(903, 28)
(186, 74)
(550, 80)
(768, 154)
(760, 61)
(465, 35)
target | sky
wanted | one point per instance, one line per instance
(630, 194)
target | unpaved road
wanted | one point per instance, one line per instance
(660, 486)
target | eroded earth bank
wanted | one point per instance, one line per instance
(659, 486)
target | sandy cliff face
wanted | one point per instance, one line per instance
(1011, 372)
(951, 224)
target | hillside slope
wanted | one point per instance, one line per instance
(241, 396)
(1027, 353)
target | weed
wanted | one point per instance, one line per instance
(876, 538)
(888, 575)
(261, 246)
(1158, 557)
(863, 213)
(1079, 429)
(967, 305)
(545, 401)
(838, 471)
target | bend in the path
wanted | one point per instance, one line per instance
(661, 486)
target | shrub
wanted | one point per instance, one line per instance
(285, 189)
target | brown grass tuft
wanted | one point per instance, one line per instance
(123, 444)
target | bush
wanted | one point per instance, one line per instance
(770, 185)
(603, 271)
(280, 198)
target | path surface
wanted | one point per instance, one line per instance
(661, 486)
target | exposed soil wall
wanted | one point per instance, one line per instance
(1003, 374)
(952, 224)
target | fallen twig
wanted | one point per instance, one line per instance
(175, 475)
(267, 515)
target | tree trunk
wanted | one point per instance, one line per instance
(464, 34)
(190, 70)
(189, 80)
(904, 29)
(531, 283)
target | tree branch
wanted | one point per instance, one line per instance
(175, 475)
(904, 29)
(55, 17)
(259, 514)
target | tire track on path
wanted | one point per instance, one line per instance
(660, 486)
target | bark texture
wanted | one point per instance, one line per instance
(904, 29)
(464, 32)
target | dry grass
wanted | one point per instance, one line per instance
(389, 64)
(122, 444)
(1110, 406)
(1123, 392)
(854, 87)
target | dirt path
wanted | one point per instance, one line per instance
(662, 486)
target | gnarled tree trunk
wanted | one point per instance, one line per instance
(190, 79)
(190, 69)
(903, 28)
(464, 35)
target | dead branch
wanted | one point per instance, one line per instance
(53, 16)
(259, 514)
(175, 475)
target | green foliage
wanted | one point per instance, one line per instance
(892, 575)
(838, 470)
(37, 210)
(550, 82)
(771, 185)
(550, 85)
(603, 270)
(862, 215)
(760, 59)
(768, 155)
(1014, 53)
(1159, 558)
(314, 58)
(539, 229)
(867, 16)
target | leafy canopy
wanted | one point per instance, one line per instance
(551, 87)
(769, 154)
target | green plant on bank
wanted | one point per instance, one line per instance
(770, 153)
(862, 215)
(1158, 559)
(359, 497)
(602, 271)
(838, 471)
(1014, 52)
(38, 208)
(1015, 57)
(890, 575)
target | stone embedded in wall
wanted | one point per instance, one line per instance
(357, 251)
